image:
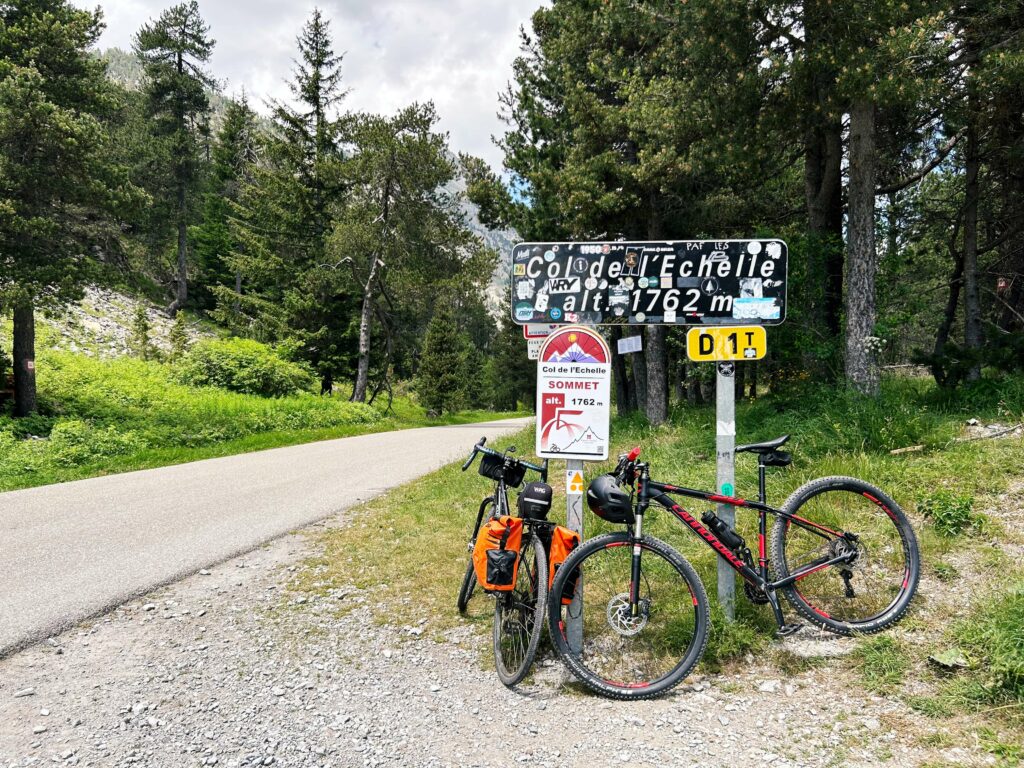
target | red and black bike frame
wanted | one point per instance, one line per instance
(649, 490)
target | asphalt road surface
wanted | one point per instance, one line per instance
(74, 550)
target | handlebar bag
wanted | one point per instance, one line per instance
(563, 541)
(493, 468)
(496, 553)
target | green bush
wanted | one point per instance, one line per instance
(75, 442)
(242, 365)
(949, 513)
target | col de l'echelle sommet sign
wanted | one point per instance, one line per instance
(680, 282)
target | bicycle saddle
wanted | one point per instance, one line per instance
(766, 447)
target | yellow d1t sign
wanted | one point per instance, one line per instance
(747, 342)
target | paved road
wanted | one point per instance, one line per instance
(71, 551)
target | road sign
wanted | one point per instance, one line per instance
(748, 342)
(680, 282)
(539, 330)
(574, 395)
(533, 348)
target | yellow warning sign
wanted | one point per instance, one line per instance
(748, 342)
(573, 481)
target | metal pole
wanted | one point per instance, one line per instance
(725, 444)
(574, 521)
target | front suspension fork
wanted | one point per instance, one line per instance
(634, 575)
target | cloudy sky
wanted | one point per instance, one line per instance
(457, 53)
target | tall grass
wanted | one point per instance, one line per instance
(99, 416)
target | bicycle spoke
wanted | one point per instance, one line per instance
(877, 573)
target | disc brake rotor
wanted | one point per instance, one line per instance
(620, 618)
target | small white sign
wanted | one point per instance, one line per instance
(533, 348)
(631, 344)
(574, 395)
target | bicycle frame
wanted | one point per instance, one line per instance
(649, 490)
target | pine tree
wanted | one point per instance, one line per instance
(139, 342)
(284, 215)
(179, 337)
(174, 49)
(56, 177)
(440, 381)
(234, 154)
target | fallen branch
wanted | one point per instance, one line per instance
(908, 449)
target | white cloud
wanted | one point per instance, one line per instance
(457, 53)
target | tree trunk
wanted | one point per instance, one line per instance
(942, 335)
(656, 406)
(363, 367)
(624, 398)
(741, 381)
(656, 350)
(679, 385)
(638, 363)
(180, 172)
(24, 360)
(973, 335)
(238, 291)
(753, 380)
(823, 181)
(862, 259)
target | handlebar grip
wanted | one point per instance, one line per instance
(472, 456)
(634, 454)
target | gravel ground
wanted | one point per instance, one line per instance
(232, 667)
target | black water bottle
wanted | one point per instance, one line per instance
(721, 529)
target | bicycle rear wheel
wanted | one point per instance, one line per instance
(519, 613)
(871, 592)
(469, 581)
(625, 656)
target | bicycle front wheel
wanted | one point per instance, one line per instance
(519, 613)
(469, 580)
(622, 654)
(873, 589)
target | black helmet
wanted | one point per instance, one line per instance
(608, 501)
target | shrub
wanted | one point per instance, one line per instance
(949, 513)
(242, 365)
(74, 442)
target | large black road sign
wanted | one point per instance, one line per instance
(679, 282)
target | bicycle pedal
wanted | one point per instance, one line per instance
(788, 629)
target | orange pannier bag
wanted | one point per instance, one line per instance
(496, 553)
(563, 541)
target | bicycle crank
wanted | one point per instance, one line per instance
(620, 618)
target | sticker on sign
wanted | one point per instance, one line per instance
(574, 395)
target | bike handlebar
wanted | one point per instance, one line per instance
(481, 448)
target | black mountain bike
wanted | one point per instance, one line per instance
(842, 553)
(519, 612)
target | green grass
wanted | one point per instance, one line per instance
(104, 416)
(882, 663)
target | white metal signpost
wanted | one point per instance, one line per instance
(713, 285)
(574, 374)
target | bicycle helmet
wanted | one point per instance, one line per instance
(608, 501)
